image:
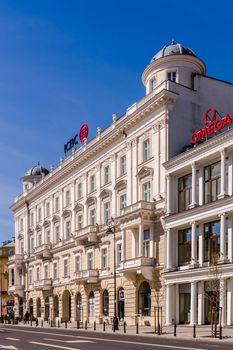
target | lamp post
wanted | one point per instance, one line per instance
(112, 230)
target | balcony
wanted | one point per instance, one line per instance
(135, 213)
(43, 252)
(87, 234)
(16, 259)
(17, 289)
(87, 276)
(140, 265)
(45, 284)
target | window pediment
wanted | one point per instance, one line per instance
(90, 201)
(78, 207)
(46, 223)
(56, 218)
(105, 193)
(38, 228)
(120, 185)
(144, 172)
(66, 213)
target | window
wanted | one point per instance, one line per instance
(92, 183)
(171, 76)
(67, 226)
(56, 306)
(55, 275)
(123, 201)
(47, 236)
(152, 84)
(105, 303)
(107, 215)
(185, 192)
(21, 224)
(56, 204)
(39, 239)
(106, 174)
(211, 241)
(38, 273)
(31, 244)
(212, 179)
(80, 190)
(118, 253)
(67, 197)
(90, 261)
(91, 305)
(184, 246)
(123, 165)
(144, 299)
(21, 247)
(46, 271)
(92, 216)
(30, 277)
(146, 191)
(57, 233)
(39, 214)
(146, 150)
(80, 222)
(47, 209)
(104, 258)
(32, 219)
(65, 267)
(77, 263)
(146, 243)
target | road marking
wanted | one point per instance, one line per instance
(11, 347)
(52, 345)
(69, 341)
(112, 340)
(12, 339)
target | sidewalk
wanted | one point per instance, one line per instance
(182, 332)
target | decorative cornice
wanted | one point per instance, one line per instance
(120, 185)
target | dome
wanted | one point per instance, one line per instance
(173, 49)
(37, 170)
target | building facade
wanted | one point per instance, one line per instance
(63, 267)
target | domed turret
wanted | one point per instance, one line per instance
(33, 175)
(173, 62)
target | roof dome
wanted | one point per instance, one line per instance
(173, 49)
(37, 170)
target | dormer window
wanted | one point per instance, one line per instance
(171, 76)
(152, 84)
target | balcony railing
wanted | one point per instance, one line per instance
(44, 284)
(43, 251)
(136, 263)
(141, 205)
(89, 276)
(87, 234)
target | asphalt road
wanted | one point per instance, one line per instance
(23, 338)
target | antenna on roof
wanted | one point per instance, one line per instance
(173, 42)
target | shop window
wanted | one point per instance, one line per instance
(91, 305)
(105, 297)
(184, 246)
(56, 306)
(38, 307)
(212, 179)
(184, 303)
(184, 192)
(144, 299)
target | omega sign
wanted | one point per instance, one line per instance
(82, 136)
(213, 123)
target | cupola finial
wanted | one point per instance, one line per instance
(173, 42)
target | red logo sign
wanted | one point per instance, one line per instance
(83, 133)
(213, 123)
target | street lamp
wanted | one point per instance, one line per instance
(112, 230)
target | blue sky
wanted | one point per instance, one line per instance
(63, 63)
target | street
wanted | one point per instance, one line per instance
(23, 338)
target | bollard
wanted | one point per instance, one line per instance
(48, 321)
(174, 329)
(194, 331)
(78, 325)
(104, 326)
(58, 324)
(136, 328)
(65, 324)
(220, 332)
(94, 326)
(85, 324)
(159, 331)
(51, 323)
(124, 327)
(31, 323)
(36, 322)
(42, 323)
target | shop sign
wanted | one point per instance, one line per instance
(81, 136)
(213, 123)
(121, 295)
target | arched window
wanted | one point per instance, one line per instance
(30, 305)
(20, 307)
(56, 306)
(105, 303)
(144, 299)
(47, 308)
(91, 305)
(38, 307)
(79, 307)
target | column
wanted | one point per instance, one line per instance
(201, 186)
(140, 240)
(113, 178)
(129, 172)
(193, 302)
(201, 244)
(123, 235)
(168, 250)
(133, 244)
(168, 305)
(134, 170)
(223, 299)
(73, 217)
(230, 238)
(223, 236)
(200, 308)
(168, 190)
(85, 212)
(229, 301)
(223, 174)
(194, 245)
(194, 171)
(230, 176)
(98, 191)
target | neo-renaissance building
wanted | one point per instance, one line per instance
(63, 266)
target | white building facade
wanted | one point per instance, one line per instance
(63, 266)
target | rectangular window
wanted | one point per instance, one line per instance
(21, 247)
(55, 274)
(212, 241)
(92, 216)
(107, 214)
(80, 222)
(21, 224)
(65, 267)
(67, 198)
(90, 261)
(32, 219)
(123, 165)
(39, 239)
(46, 272)
(146, 243)
(57, 233)
(30, 277)
(106, 174)
(119, 253)
(171, 76)
(39, 214)
(212, 179)
(38, 273)
(184, 192)
(80, 190)
(184, 246)
(123, 201)
(68, 231)
(56, 204)
(153, 84)
(104, 258)
(146, 150)
(78, 263)
(92, 183)
(48, 209)
(47, 237)
(31, 244)
(146, 192)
